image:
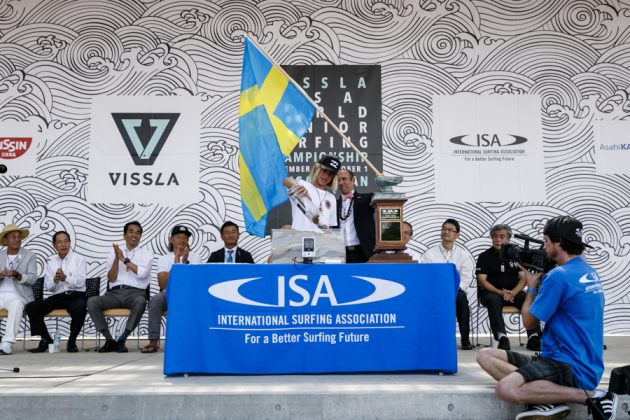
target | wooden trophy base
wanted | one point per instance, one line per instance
(397, 257)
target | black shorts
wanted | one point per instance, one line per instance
(534, 368)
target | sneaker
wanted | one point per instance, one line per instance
(544, 411)
(533, 343)
(6, 348)
(504, 343)
(603, 408)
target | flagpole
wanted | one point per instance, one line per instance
(319, 111)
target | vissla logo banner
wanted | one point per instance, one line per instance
(144, 149)
(488, 148)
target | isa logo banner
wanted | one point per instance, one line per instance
(144, 149)
(277, 318)
(488, 148)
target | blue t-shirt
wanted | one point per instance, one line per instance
(571, 303)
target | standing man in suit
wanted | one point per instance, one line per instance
(129, 274)
(355, 217)
(18, 275)
(230, 253)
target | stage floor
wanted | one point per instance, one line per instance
(132, 386)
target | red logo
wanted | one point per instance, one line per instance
(14, 147)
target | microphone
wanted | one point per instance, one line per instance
(15, 369)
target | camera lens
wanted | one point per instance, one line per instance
(3, 169)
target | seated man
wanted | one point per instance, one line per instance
(179, 253)
(65, 278)
(18, 275)
(313, 207)
(230, 253)
(129, 275)
(501, 283)
(571, 303)
(407, 234)
(449, 252)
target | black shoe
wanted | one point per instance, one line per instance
(72, 347)
(603, 408)
(533, 343)
(466, 344)
(541, 411)
(121, 347)
(41, 348)
(110, 345)
(504, 343)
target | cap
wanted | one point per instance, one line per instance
(567, 228)
(331, 163)
(181, 229)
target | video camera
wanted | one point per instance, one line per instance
(532, 259)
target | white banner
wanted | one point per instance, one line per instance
(488, 148)
(144, 150)
(19, 141)
(612, 147)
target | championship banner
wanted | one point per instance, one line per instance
(612, 147)
(277, 318)
(488, 148)
(351, 97)
(18, 147)
(144, 149)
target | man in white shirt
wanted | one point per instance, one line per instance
(17, 277)
(355, 216)
(179, 253)
(128, 276)
(447, 251)
(407, 235)
(65, 278)
(230, 253)
(312, 206)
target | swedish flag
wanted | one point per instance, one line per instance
(273, 116)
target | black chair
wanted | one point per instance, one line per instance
(92, 288)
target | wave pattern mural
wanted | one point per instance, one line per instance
(56, 55)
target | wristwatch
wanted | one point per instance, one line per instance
(126, 261)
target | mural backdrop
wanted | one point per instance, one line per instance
(56, 56)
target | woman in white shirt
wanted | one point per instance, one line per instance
(313, 207)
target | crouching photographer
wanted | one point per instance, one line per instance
(570, 301)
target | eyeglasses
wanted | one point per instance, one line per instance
(449, 230)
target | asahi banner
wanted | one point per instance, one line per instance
(351, 97)
(488, 148)
(144, 148)
(612, 147)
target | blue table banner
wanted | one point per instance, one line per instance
(285, 318)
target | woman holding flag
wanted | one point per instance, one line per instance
(312, 206)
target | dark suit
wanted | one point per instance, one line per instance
(363, 217)
(242, 256)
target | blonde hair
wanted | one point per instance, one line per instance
(315, 173)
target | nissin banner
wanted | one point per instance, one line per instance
(277, 318)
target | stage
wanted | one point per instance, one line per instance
(132, 386)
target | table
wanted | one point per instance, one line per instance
(315, 318)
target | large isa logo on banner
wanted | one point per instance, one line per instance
(144, 149)
(488, 148)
